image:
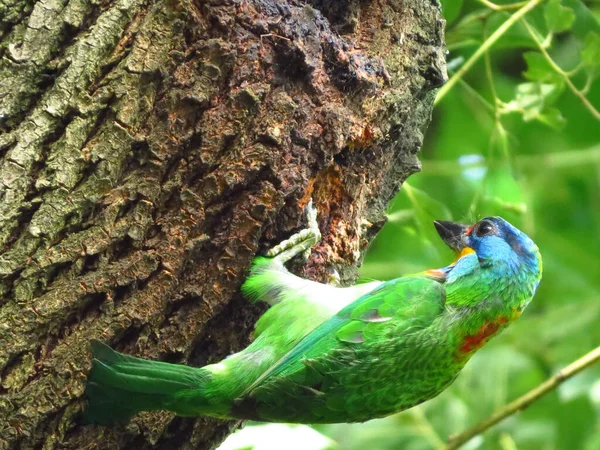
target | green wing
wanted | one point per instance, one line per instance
(379, 317)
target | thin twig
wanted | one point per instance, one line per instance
(496, 7)
(523, 402)
(562, 73)
(485, 47)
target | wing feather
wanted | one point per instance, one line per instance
(414, 300)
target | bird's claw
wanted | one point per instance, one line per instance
(300, 242)
(334, 278)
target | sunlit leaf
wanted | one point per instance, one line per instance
(533, 100)
(558, 18)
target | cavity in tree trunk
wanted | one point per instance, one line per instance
(150, 149)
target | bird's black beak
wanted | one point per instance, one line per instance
(453, 234)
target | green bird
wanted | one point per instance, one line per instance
(327, 354)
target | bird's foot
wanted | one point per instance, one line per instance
(300, 242)
(334, 278)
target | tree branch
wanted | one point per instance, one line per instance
(457, 440)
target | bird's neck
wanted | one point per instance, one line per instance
(482, 300)
(499, 289)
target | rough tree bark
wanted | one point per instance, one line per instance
(150, 149)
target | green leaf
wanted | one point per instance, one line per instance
(590, 53)
(470, 29)
(451, 10)
(465, 33)
(514, 37)
(552, 117)
(532, 98)
(503, 194)
(539, 69)
(558, 18)
(426, 207)
(533, 101)
(585, 20)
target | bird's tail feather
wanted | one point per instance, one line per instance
(120, 385)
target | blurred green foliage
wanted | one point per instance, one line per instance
(517, 136)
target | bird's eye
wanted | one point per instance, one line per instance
(485, 228)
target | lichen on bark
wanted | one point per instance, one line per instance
(150, 149)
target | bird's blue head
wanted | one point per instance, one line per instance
(497, 244)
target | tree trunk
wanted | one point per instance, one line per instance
(150, 149)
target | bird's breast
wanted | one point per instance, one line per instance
(471, 342)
